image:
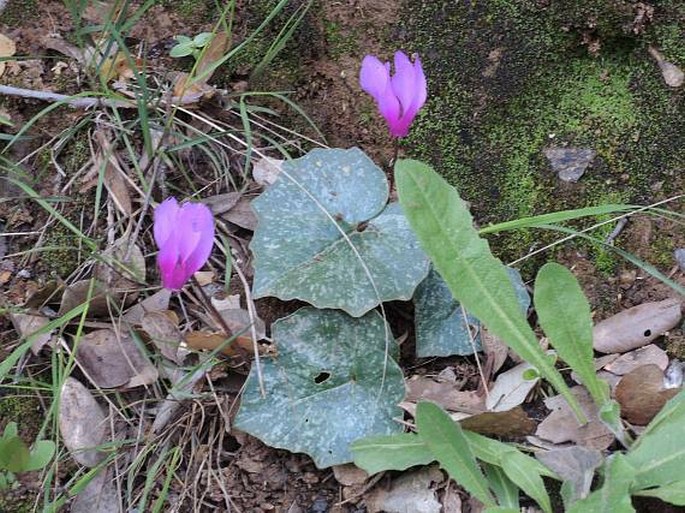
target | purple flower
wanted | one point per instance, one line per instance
(185, 236)
(399, 97)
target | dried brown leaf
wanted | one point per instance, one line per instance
(203, 340)
(162, 328)
(637, 326)
(114, 360)
(641, 394)
(446, 394)
(651, 354)
(242, 215)
(562, 426)
(101, 300)
(510, 389)
(221, 203)
(98, 496)
(511, 423)
(27, 324)
(155, 303)
(81, 423)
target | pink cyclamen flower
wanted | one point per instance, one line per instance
(185, 236)
(399, 97)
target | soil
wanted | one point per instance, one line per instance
(484, 62)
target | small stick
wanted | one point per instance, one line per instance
(73, 101)
(616, 231)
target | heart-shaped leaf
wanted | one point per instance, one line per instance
(332, 383)
(443, 327)
(326, 237)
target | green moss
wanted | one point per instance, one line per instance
(338, 41)
(61, 255)
(76, 153)
(17, 12)
(509, 79)
(25, 411)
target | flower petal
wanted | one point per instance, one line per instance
(404, 81)
(202, 226)
(165, 216)
(374, 77)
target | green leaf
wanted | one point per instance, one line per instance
(184, 40)
(182, 50)
(40, 455)
(392, 452)
(475, 277)
(449, 446)
(658, 455)
(443, 327)
(11, 430)
(517, 467)
(501, 509)
(564, 314)
(332, 382)
(325, 236)
(202, 39)
(614, 495)
(14, 455)
(673, 493)
(506, 491)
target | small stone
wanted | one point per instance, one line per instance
(570, 163)
(679, 255)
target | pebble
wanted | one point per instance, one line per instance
(570, 163)
(679, 255)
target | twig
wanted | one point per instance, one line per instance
(83, 102)
(616, 231)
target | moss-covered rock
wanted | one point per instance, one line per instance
(509, 79)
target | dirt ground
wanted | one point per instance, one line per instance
(320, 66)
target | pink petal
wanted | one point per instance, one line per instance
(404, 81)
(165, 216)
(202, 226)
(374, 77)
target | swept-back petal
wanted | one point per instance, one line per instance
(404, 81)
(420, 84)
(202, 226)
(374, 77)
(165, 219)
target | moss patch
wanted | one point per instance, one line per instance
(509, 79)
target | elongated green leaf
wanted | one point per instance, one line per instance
(506, 491)
(392, 452)
(555, 217)
(517, 468)
(493, 451)
(564, 313)
(475, 277)
(501, 509)
(446, 441)
(659, 453)
(673, 493)
(614, 495)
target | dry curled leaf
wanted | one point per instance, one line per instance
(26, 325)
(641, 394)
(203, 340)
(162, 328)
(651, 354)
(511, 388)
(562, 426)
(636, 327)
(114, 360)
(81, 423)
(155, 303)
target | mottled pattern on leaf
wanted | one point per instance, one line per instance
(331, 383)
(442, 326)
(300, 252)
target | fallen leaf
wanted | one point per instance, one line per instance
(210, 55)
(265, 171)
(7, 49)
(101, 301)
(628, 362)
(562, 426)
(81, 423)
(411, 492)
(239, 321)
(203, 340)
(98, 496)
(155, 303)
(27, 324)
(122, 267)
(636, 327)
(114, 360)
(242, 215)
(349, 474)
(495, 351)
(446, 394)
(222, 203)
(575, 465)
(163, 330)
(511, 423)
(510, 389)
(187, 91)
(641, 394)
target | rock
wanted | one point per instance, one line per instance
(569, 163)
(679, 256)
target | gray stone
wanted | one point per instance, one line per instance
(570, 163)
(679, 255)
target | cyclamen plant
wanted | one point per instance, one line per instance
(399, 96)
(185, 235)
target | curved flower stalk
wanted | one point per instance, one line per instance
(400, 96)
(184, 235)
